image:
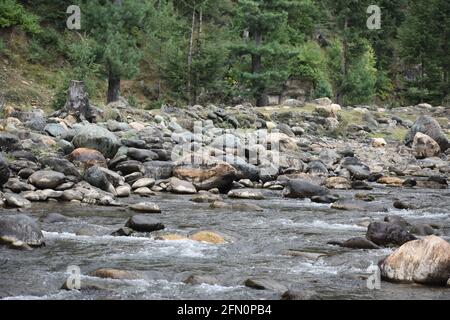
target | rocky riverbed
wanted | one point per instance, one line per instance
(225, 203)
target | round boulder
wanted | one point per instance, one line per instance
(95, 137)
(46, 179)
(425, 261)
(143, 223)
(21, 228)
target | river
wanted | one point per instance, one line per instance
(256, 248)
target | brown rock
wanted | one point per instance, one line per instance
(87, 158)
(208, 236)
(114, 274)
(391, 181)
(219, 176)
(425, 261)
(425, 147)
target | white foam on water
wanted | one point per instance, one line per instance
(314, 268)
(319, 224)
(208, 288)
(413, 214)
(96, 239)
(306, 203)
(178, 248)
(60, 295)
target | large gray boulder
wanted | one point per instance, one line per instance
(47, 179)
(358, 170)
(181, 187)
(144, 223)
(302, 189)
(96, 177)
(22, 228)
(60, 165)
(158, 169)
(388, 234)
(429, 126)
(245, 170)
(95, 137)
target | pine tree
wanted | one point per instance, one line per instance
(263, 25)
(353, 50)
(116, 26)
(424, 42)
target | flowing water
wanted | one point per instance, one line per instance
(256, 247)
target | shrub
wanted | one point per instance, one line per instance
(14, 14)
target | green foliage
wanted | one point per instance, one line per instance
(425, 47)
(311, 65)
(334, 54)
(263, 58)
(240, 48)
(13, 14)
(116, 28)
(82, 55)
(2, 46)
(323, 89)
(46, 47)
(359, 84)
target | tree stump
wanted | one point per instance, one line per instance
(77, 103)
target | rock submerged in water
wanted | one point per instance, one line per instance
(171, 237)
(208, 236)
(206, 197)
(386, 234)
(356, 243)
(299, 295)
(21, 228)
(265, 284)
(146, 207)
(246, 194)
(114, 274)
(122, 232)
(143, 223)
(201, 279)
(302, 189)
(424, 261)
(359, 205)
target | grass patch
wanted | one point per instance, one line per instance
(396, 134)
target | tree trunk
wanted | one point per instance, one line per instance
(113, 93)
(256, 68)
(190, 54)
(344, 65)
(113, 88)
(77, 103)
